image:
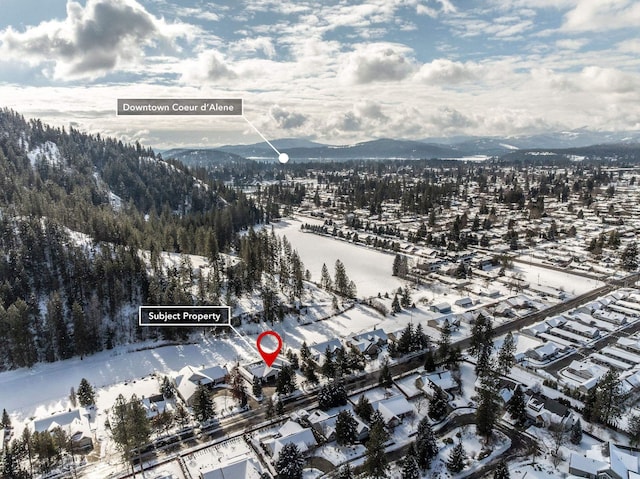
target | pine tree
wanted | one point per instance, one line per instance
(270, 407)
(385, 380)
(346, 428)
(279, 408)
(457, 458)
(517, 408)
(290, 463)
(429, 362)
(376, 464)
(363, 408)
(444, 345)
(130, 427)
(341, 280)
(589, 411)
(410, 468)
(502, 471)
(286, 380)
(405, 300)
(575, 436)
(328, 368)
(86, 393)
(257, 387)
(325, 278)
(345, 472)
(304, 351)
(633, 429)
(506, 355)
(629, 257)
(203, 407)
(310, 375)
(395, 304)
(438, 404)
(6, 420)
(426, 446)
(166, 388)
(487, 410)
(609, 397)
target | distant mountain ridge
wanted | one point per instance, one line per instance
(444, 147)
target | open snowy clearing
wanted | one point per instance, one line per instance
(368, 268)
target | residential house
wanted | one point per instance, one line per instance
(317, 351)
(75, 423)
(237, 468)
(189, 378)
(290, 433)
(393, 409)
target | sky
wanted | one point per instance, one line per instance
(336, 72)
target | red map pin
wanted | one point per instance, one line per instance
(269, 357)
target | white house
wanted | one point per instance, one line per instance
(189, 378)
(75, 423)
(236, 468)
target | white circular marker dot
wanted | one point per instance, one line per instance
(283, 158)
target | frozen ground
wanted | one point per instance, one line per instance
(368, 268)
(570, 283)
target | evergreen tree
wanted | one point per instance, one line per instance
(444, 345)
(341, 280)
(167, 389)
(279, 408)
(589, 411)
(363, 408)
(385, 379)
(286, 380)
(438, 404)
(304, 351)
(426, 446)
(517, 408)
(410, 468)
(325, 278)
(395, 304)
(629, 257)
(328, 368)
(609, 397)
(130, 427)
(86, 393)
(575, 436)
(310, 375)
(345, 472)
(487, 410)
(257, 387)
(290, 462)
(481, 343)
(238, 389)
(502, 471)
(203, 408)
(457, 458)
(633, 429)
(405, 300)
(6, 420)
(376, 464)
(270, 407)
(506, 355)
(429, 362)
(346, 428)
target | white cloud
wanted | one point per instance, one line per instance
(208, 66)
(444, 71)
(285, 119)
(378, 62)
(602, 15)
(103, 36)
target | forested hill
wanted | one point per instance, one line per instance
(65, 294)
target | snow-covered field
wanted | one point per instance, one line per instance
(570, 283)
(368, 268)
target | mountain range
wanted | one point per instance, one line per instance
(450, 147)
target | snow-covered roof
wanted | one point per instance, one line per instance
(244, 468)
(70, 419)
(586, 464)
(393, 407)
(304, 439)
(189, 378)
(623, 461)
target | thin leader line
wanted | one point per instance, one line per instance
(258, 131)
